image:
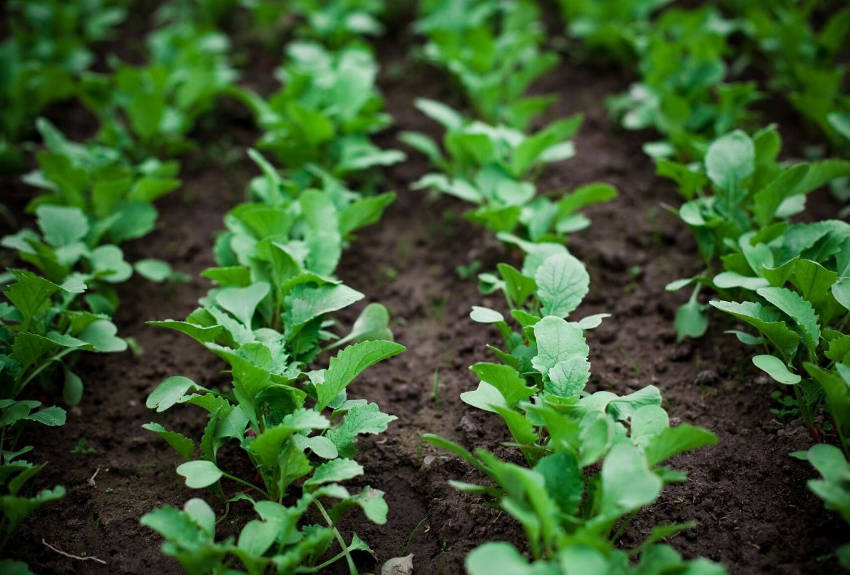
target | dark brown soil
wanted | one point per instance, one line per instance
(749, 496)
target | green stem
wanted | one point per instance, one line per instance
(247, 484)
(42, 367)
(351, 568)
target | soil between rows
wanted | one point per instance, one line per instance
(750, 498)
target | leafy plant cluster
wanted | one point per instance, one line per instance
(590, 460)
(803, 58)
(492, 162)
(686, 60)
(786, 281)
(270, 319)
(49, 45)
(91, 197)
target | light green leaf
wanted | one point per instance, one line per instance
(562, 282)
(199, 473)
(776, 368)
(349, 363)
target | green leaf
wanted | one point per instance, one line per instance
(181, 444)
(485, 397)
(153, 270)
(175, 525)
(506, 380)
(100, 334)
(485, 315)
(501, 558)
(568, 377)
(674, 440)
(200, 473)
(841, 292)
(769, 324)
(49, 416)
(564, 480)
(691, 320)
(359, 420)
(776, 368)
(730, 160)
(349, 363)
(108, 263)
(72, 390)
(562, 282)
(334, 471)
(626, 481)
(62, 225)
(242, 302)
(800, 310)
(170, 392)
(517, 286)
(306, 303)
(557, 340)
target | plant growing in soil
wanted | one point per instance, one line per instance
(269, 320)
(592, 459)
(152, 108)
(491, 167)
(49, 45)
(834, 487)
(802, 58)
(493, 50)
(683, 92)
(326, 111)
(791, 276)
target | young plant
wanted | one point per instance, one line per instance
(592, 460)
(269, 319)
(610, 28)
(803, 58)
(834, 487)
(492, 167)
(339, 22)
(493, 49)
(326, 111)
(792, 277)
(153, 108)
(48, 47)
(682, 92)
(90, 201)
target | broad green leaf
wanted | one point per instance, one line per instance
(800, 310)
(691, 320)
(730, 160)
(153, 270)
(72, 390)
(517, 286)
(674, 440)
(257, 536)
(372, 323)
(564, 480)
(506, 380)
(557, 340)
(170, 392)
(780, 335)
(776, 368)
(562, 282)
(626, 481)
(349, 363)
(359, 420)
(62, 225)
(841, 292)
(334, 471)
(485, 315)
(306, 303)
(242, 302)
(199, 473)
(100, 334)
(485, 397)
(568, 377)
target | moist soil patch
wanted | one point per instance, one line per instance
(750, 498)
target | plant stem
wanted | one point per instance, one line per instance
(351, 568)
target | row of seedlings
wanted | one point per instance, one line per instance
(587, 461)
(269, 318)
(91, 197)
(788, 281)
